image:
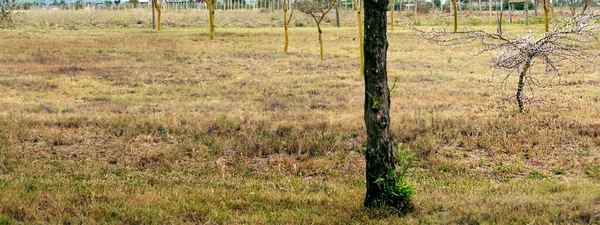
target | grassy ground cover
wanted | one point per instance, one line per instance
(133, 126)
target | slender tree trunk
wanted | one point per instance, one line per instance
(490, 6)
(551, 2)
(320, 39)
(526, 13)
(441, 7)
(470, 6)
(361, 34)
(535, 7)
(211, 18)
(454, 9)
(155, 2)
(546, 25)
(379, 154)
(510, 11)
(573, 8)
(479, 4)
(337, 16)
(522, 83)
(285, 27)
(392, 15)
(416, 4)
(153, 17)
(401, 7)
(585, 6)
(500, 17)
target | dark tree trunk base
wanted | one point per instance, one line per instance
(381, 178)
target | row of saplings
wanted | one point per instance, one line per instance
(514, 54)
(386, 168)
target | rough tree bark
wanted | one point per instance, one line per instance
(522, 83)
(379, 155)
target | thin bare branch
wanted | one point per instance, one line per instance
(563, 45)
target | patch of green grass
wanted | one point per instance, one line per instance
(444, 167)
(5, 220)
(559, 170)
(536, 174)
(592, 171)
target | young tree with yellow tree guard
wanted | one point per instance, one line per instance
(359, 6)
(210, 4)
(455, 12)
(286, 23)
(317, 9)
(157, 7)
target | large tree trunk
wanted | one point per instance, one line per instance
(379, 155)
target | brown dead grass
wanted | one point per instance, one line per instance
(133, 126)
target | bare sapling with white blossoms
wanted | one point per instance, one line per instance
(565, 43)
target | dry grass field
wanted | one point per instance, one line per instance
(132, 126)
